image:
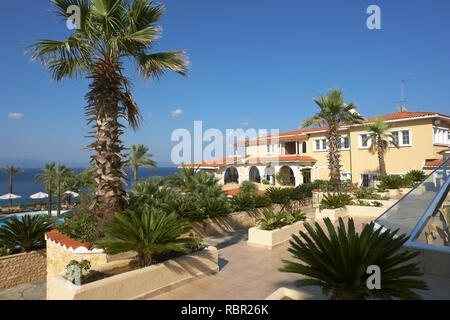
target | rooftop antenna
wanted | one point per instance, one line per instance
(403, 101)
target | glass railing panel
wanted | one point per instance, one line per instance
(406, 213)
(436, 228)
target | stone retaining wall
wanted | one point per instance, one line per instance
(22, 268)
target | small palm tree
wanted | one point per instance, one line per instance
(61, 173)
(111, 32)
(380, 137)
(26, 233)
(149, 233)
(11, 171)
(337, 261)
(333, 112)
(139, 157)
(47, 177)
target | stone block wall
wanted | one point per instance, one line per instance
(22, 268)
(59, 256)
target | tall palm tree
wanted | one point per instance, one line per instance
(111, 31)
(333, 112)
(380, 137)
(47, 177)
(61, 172)
(139, 157)
(11, 171)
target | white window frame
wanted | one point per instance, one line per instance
(300, 147)
(400, 138)
(321, 145)
(328, 144)
(360, 141)
(271, 147)
(346, 176)
(441, 136)
(342, 143)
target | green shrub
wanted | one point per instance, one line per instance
(262, 201)
(303, 191)
(335, 201)
(415, 175)
(185, 206)
(360, 202)
(4, 251)
(376, 204)
(265, 181)
(369, 194)
(242, 201)
(74, 269)
(279, 195)
(149, 233)
(272, 220)
(214, 207)
(337, 260)
(391, 181)
(248, 186)
(192, 194)
(26, 234)
(82, 226)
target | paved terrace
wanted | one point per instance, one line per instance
(248, 273)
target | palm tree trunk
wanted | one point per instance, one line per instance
(49, 200)
(10, 189)
(58, 208)
(103, 110)
(334, 156)
(381, 162)
(135, 173)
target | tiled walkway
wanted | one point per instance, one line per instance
(248, 273)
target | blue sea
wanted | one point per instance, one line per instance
(24, 184)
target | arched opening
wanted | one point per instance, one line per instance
(269, 175)
(231, 175)
(254, 175)
(304, 147)
(286, 176)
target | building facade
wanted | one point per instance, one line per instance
(300, 156)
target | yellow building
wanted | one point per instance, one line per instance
(302, 154)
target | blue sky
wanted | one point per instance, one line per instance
(254, 64)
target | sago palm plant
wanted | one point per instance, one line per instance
(138, 157)
(111, 31)
(337, 261)
(149, 233)
(25, 234)
(380, 138)
(333, 112)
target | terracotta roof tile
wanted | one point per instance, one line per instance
(233, 192)
(387, 117)
(214, 162)
(433, 162)
(67, 241)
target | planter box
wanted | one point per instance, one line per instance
(333, 214)
(393, 193)
(268, 239)
(138, 283)
(365, 211)
(405, 190)
(232, 222)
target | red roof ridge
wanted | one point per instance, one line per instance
(61, 239)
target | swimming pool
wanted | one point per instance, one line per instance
(20, 216)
